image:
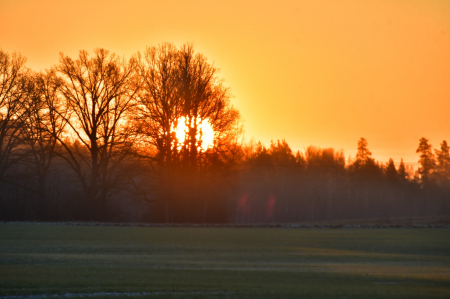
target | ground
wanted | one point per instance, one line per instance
(42, 260)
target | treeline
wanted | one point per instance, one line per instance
(102, 138)
(278, 186)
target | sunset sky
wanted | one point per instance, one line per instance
(321, 73)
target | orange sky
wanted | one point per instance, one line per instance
(313, 72)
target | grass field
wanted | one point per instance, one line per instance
(38, 260)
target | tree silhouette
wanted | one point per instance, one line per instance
(402, 174)
(443, 163)
(204, 97)
(390, 171)
(41, 128)
(427, 160)
(160, 106)
(364, 163)
(97, 95)
(324, 160)
(363, 155)
(13, 79)
(179, 85)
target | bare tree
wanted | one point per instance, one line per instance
(42, 126)
(179, 85)
(160, 107)
(180, 88)
(12, 88)
(204, 98)
(97, 93)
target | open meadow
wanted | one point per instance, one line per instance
(51, 261)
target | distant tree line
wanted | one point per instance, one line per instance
(95, 139)
(278, 186)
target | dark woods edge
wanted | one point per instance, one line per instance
(92, 139)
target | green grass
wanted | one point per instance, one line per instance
(224, 262)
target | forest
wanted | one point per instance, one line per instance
(155, 139)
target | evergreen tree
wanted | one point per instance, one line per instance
(364, 155)
(402, 171)
(390, 171)
(426, 160)
(364, 163)
(443, 163)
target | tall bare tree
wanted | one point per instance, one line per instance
(204, 98)
(178, 86)
(160, 107)
(98, 93)
(12, 89)
(41, 128)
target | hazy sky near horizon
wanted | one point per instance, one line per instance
(321, 73)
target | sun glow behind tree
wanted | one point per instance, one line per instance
(205, 134)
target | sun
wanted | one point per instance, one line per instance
(205, 132)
